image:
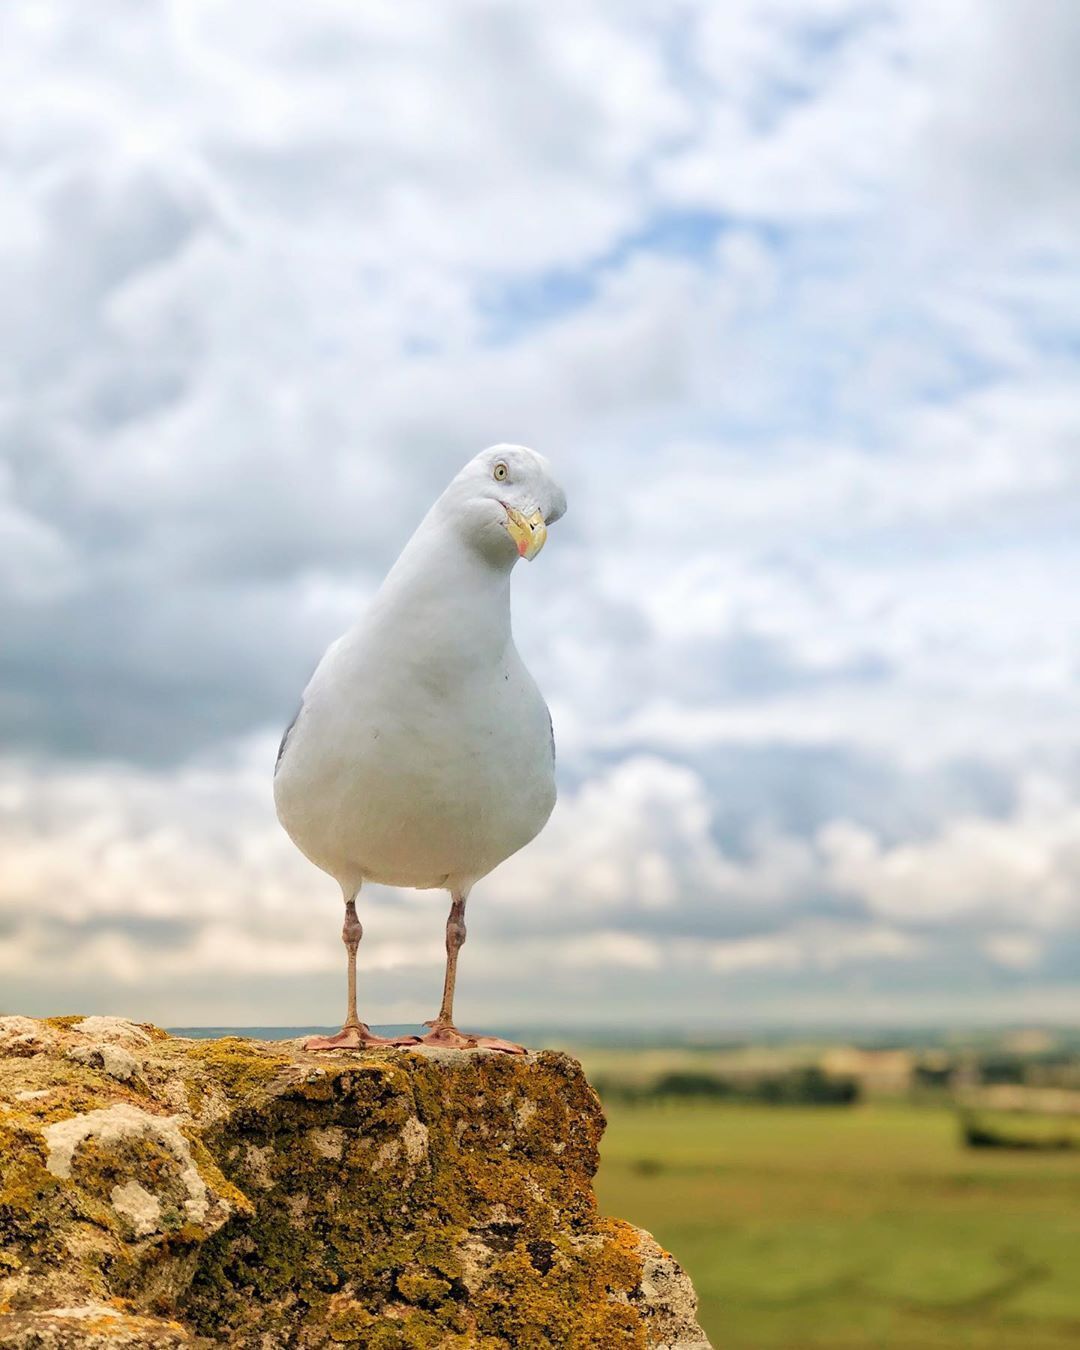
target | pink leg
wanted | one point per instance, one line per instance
(354, 1035)
(443, 1034)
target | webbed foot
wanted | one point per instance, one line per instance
(445, 1036)
(359, 1037)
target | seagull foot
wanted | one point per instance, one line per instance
(357, 1038)
(444, 1036)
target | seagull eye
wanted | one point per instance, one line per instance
(501, 472)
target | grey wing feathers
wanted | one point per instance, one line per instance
(285, 740)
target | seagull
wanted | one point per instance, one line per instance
(423, 753)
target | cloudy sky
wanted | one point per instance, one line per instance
(789, 292)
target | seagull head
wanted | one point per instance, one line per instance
(504, 499)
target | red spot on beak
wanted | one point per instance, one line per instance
(522, 546)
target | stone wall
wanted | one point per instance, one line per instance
(156, 1191)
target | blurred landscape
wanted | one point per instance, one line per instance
(861, 1193)
(848, 1191)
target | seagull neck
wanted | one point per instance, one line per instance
(450, 592)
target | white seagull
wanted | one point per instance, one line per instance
(422, 754)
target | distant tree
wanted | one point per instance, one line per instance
(689, 1084)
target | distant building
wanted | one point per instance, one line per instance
(1029, 1041)
(879, 1073)
(1024, 1100)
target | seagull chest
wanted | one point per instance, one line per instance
(418, 782)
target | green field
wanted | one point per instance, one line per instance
(864, 1226)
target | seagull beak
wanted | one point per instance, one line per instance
(527, 532)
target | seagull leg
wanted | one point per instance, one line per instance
(443, 1034)
(354, 1035)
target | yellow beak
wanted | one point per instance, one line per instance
(527, 532)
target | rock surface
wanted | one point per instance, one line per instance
(156, 1191)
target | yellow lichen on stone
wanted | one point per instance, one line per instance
(240, 1066)
(420, 1287)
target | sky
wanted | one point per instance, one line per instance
(789, 293)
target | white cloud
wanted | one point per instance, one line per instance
(1023, 869)
(638, 838)
(1014, 951)
(822, 947)
(605, 950)
(998, 141)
